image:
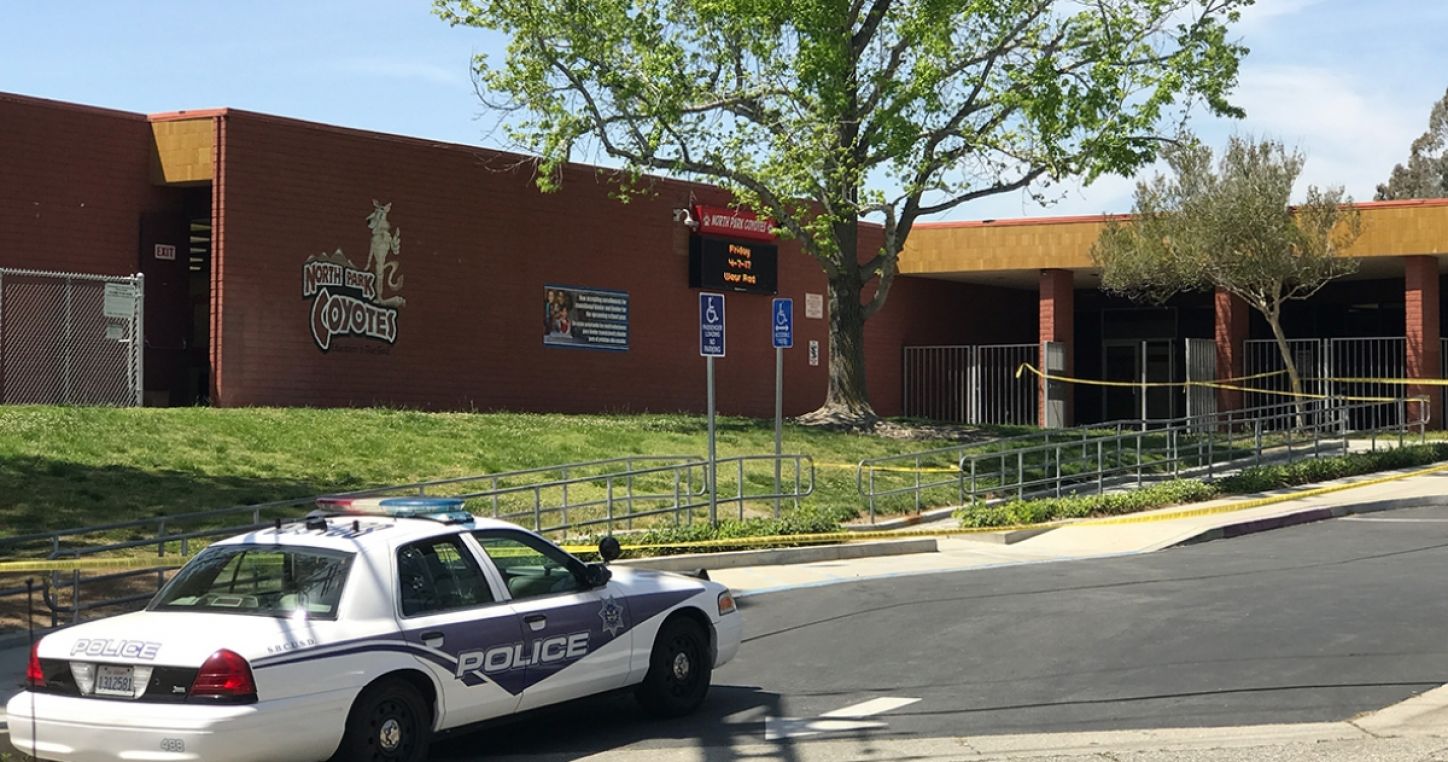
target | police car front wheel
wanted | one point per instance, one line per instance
(679, 669)
(389, 721)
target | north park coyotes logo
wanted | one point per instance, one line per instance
(348, 301)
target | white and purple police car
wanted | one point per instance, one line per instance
(359, 634)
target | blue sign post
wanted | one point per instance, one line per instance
(711, 345)
(781, 328)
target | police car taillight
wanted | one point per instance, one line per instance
(224, 675)
(726, 603)
(34, 675)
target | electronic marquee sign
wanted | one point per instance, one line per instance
(733, 265)
(733, 250)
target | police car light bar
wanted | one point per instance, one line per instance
(445, 509)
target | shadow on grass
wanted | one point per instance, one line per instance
(47, 494)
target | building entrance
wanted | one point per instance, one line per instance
(1134, 362)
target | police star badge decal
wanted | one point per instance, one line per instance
(612, 615)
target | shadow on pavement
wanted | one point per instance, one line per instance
(612, 721)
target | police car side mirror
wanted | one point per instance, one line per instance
(597, 575)
(609, 549)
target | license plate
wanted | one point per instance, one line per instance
(115, 681)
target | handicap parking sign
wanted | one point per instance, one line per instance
(782, 323)
(711, 325)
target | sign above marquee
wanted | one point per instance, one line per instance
(733, 223)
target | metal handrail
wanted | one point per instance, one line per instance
(689, 496)
(55, 537)
(1133, 451)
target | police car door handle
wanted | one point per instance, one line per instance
(536, 622)
(432, 639)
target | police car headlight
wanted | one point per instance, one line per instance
(726, 603)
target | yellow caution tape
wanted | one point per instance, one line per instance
(1221, 384)
(115, 564)
(90, 564)
(1397, 381)
(1025, 366)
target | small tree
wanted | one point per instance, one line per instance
(1426, 174)
(823, 113)
(1229, 226)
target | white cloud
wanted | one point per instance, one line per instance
(1351, 131)
(1264, 12)
(398, 68)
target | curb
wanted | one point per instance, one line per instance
(901, 522)
(782, 556)
(1308, 516)
(1007, 537)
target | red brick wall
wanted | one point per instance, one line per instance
(1420, 275)
(479, 243)
(1232, 325)
(74, 182)
(1057, 322)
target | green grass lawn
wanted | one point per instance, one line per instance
(71, 467)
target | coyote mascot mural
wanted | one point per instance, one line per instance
(348, 301)
(385, 243)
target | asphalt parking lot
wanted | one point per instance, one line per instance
(1313, 623)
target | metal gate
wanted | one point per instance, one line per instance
(970, 384)
(1262, 356)
(70, 339)
(1201, 366)
(1319, 361)
(1377, 357)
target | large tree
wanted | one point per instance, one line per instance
(823, 113)
(1426, 173)
(1229, 225)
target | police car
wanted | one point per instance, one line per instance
(361, 632)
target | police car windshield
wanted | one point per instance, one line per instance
(262, 580)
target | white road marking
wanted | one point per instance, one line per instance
(1396, 521)
(873, 706)
(838, 721)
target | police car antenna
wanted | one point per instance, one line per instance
(30, 623)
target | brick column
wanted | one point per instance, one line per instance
(1420, 280)
(1057, 323)
(1231, 333)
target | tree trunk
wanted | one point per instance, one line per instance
(847, 400)
(1294, 380)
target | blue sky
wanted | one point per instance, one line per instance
(1350, 82)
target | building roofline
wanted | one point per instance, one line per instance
(31, 100)
(1089, 218)
(179, 116)
(392, 137)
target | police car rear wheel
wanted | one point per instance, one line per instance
(388, 722)
(679, 669)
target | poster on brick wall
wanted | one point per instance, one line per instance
(587, 318)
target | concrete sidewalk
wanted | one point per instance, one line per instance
(1146, 532)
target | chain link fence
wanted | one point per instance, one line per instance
(70, 338)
